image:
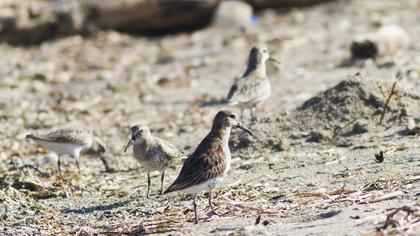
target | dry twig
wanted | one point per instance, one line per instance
(385, 108)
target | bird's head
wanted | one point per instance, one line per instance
(229, 119)
(260, 54)
(138, 134)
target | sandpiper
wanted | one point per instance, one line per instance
(209, 163)
(253, 87)
(152, 152)
(73, 141)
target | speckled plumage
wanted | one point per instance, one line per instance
(152, 152)
(209, 163)
(73, 141)
(253, 88)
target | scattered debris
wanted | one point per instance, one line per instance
(404, 220)
(379, 157)
(388, 196)
(257, 221)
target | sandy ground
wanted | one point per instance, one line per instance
(111, 81)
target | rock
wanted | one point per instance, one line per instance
(358, 128)
(385, 41)
(411, 124)
(411, 127)
(318, 136)
(278, 145)
(260, 4)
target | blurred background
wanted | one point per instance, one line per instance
(110, 64)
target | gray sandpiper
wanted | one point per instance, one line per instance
(253, 88)
(152, 152)
(73, 141)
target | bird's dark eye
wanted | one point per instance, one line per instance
(232, 116)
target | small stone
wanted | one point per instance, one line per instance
(359, 128)
(411, 127)
(410, 124)
(318, 136)
(279, 145)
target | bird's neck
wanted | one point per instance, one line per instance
(221, 134)
(257, 67)
(145, 141)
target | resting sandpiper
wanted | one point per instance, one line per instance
(253, 87)
(210, 162)
(73, 141)
(152, 152)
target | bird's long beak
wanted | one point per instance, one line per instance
(130, 142)
(274, 60)
(242, 127)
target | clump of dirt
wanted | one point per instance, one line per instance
(350, 108)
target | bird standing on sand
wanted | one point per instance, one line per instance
(253, 87)
(73, 141)
(152, 152)
(209, 163)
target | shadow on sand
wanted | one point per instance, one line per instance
(85, 210)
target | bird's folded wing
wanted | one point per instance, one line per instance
(251, 90)
(198, 169)
(76, 136)
(169, 149)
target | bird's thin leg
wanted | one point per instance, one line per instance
(195, 209)
(148, 185)
(59, 164)
(161, 182)
(253, 116)
(211, 205)
(77, 162)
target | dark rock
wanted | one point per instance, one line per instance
(329, 214)
(318, 136)
(278, 145)
(358, 128)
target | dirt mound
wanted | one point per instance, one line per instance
(350, 100)
(352, 107)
